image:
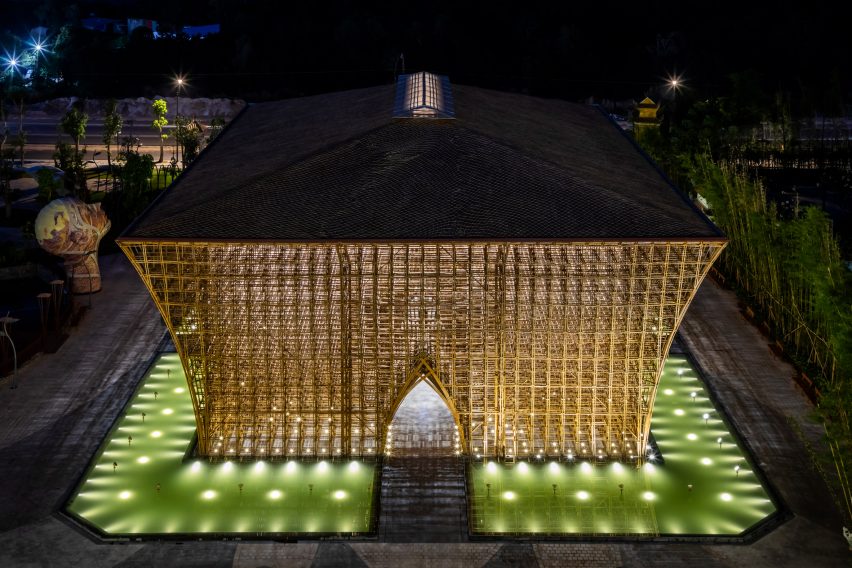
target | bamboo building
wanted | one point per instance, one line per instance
(325, 254)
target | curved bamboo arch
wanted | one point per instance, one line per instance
(423, 370)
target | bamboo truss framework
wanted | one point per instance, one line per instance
(538, 348)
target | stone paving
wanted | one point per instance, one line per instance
(52, 424)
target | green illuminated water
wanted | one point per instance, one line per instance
(154, 490)
(656, 499)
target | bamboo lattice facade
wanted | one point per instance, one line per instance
(307, 349)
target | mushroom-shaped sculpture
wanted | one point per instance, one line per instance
(69, 228)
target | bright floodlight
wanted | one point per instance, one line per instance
(11, 62)
(674, 83)
(339, 494)
(582, 495)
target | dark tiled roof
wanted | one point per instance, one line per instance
(339, 167)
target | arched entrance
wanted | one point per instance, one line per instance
(423, 420)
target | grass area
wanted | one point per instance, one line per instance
(140, 482)
(704, 485)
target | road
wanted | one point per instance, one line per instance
(43, 134)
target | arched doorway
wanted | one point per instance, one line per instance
(423, 419)
(423, 426)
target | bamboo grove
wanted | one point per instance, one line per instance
(791, 272)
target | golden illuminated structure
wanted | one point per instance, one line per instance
(297, 343)
(647, 114)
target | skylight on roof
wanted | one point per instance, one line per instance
(423, 95)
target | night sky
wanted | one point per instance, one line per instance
(555, 49)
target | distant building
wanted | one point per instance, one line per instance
(647, 115)
(201, 32)
(134, 23)
(107, 25)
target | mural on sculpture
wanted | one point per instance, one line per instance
(69, 228)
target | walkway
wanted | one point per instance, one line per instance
(51, 425)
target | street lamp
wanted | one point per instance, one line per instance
(179, 83)
(6, 320)
(674, 84)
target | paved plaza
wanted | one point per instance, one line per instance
(52, 424)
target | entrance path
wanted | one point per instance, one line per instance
(52, 424)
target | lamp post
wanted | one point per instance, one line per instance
(6, 320)
(179, 83)
(674, 84)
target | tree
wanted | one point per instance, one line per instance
(71, 161)
(189, 136)
(112, 128)
(217, 125)
(160, 122)
(74, 125)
